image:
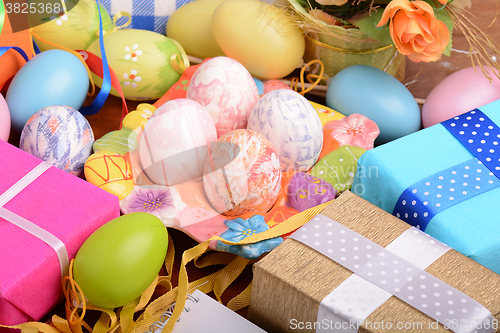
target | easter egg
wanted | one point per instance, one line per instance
(226, 89)
(458, 93)
(117, 263)
(173, 146)
(261, 36)
(43, 82)
(326, 114)
(378, 96)
(339, 167)
(75, 29)
(110, 171)
(292, 125)
(305, 191)
(190, 25)
(4, 119)
(60, 136)
(146, 63)
(244, 180)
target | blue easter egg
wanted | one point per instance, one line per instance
(53, 77)
(377, 95)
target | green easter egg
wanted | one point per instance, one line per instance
(75, 30)
(121, 259)
(119, 142)
(146, 63)
(339, 167)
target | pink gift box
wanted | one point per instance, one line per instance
(64, 205)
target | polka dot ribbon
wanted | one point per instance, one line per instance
(420, 202)
(394, 274)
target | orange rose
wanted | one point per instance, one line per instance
(415, 30)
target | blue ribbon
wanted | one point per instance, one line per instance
(4, 49)
(106, 79)
(36, 48)
(420, 202)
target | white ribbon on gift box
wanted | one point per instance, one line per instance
(47, 237)
(380, 273)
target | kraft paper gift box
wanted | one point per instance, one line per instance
(432, 179)
(64, 206)
(299, 285)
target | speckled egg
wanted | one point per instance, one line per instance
(242, 176)
(227, 90)
(59, 135)
(292, 125)
(173, 145)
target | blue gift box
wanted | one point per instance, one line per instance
(446, 184)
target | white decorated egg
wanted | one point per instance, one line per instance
(292, 125)
(227, 90)
(59, 135)
(173, 145)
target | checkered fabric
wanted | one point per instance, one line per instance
(146, 14)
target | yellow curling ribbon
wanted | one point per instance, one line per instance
(116, 17)
(295, 81)
(179, 62)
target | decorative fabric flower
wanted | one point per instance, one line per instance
(134, 53)
(354, 130)
(240, 229)
(139, 117)
(59, 18)
(133, 77)
(153, 199)
(415, 30)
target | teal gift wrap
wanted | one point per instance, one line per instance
(446, 184)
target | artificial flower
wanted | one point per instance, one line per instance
(354, 130)
(152, 199)
(415, 30)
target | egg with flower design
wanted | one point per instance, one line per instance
(242, 176)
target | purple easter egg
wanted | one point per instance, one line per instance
(305, 191)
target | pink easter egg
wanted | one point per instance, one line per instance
(227, 90)
(270, 85)
(174, 144)
(250, 179)
(460, 92)
(4, 120)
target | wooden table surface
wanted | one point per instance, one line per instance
(425, 77)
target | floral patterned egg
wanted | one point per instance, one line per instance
(59, 135)
(75, 30)
(174, 144)
(244, 176)
(292, 125)
(146, 63)
(227, 90)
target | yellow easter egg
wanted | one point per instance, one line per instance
(190, 25)
(260, 36)
(111, 172)
(146, 63)
(75, 29)
(326, 114)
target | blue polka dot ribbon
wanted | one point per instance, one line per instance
(420, 202)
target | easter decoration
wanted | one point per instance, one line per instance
(260, 36)
(43, 82)
(146, 63)
(59, 135)
(306, 191)
(227, 90)
(385, 100)
(190, 25)
(75, 27)
(343, 33)
(4, 120)
(132, 246)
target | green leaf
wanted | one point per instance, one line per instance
(367, 23)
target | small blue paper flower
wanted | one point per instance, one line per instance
(240, 229)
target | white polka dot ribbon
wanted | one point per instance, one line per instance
(45, 236)
(381, 273)
(420, 202)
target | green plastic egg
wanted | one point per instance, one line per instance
(118, 262)
(339, 167)
(146, 63)
(76, 29)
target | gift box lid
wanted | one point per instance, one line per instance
(67, 207)
(471, 226)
